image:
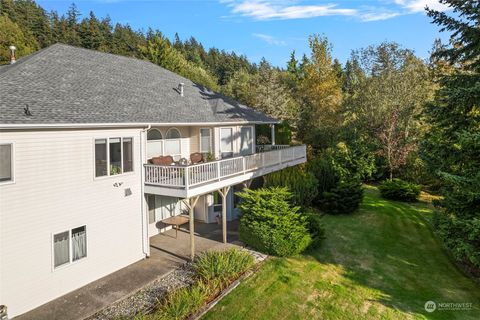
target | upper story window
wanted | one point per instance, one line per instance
(246, 140)
(205, 140)
(154, 143)
(226, 142)
(6, 162)
(173, 144)
(113, 156)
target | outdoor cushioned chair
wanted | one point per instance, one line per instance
(196, 157)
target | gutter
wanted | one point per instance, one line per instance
(126, 125)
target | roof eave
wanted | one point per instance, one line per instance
(123, 125)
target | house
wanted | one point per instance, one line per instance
(93, 146)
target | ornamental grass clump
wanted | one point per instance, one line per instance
(214, 271)
(223, 266)
(182, 302)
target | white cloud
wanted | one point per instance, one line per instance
(419, 5)
(299, 9)
(267, 10)
(378, 16)
(269, 39)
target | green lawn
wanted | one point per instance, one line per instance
(380, 263)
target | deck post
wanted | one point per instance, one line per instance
(190, 203)
(223, 192)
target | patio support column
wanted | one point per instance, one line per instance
(273, 134)
(247, 184)
(190, 203)
(223, 192)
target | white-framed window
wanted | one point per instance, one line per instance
(6, 163)
(246, 140)
(154, 143)
(226, 142)
(205, 140)
(113, 156)
(69, 246)
(173, 143)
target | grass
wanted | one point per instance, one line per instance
(382, 262)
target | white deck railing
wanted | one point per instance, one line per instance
(193, 175)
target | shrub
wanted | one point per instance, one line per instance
(397, 189)
(325, 173)
(223, 266)
(346, 197)
(301, 182)
(461, 236)
(339, 190)
(270, 224)
(315, 227)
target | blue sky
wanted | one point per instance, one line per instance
(273, 28)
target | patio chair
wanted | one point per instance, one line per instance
(196, 157)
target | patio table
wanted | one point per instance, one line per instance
(177, 221)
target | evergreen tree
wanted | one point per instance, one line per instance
(452, 145)
(72, 36)
(271, 96)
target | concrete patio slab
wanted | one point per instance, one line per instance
(166, 254)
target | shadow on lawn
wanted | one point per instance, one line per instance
(390, 248)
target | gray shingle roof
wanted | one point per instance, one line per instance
(69, 85)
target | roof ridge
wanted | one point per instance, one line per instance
(126, 57)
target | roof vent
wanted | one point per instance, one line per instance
(181, 85)
(13, 49)
(27, 111)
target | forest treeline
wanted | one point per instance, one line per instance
(385, 113)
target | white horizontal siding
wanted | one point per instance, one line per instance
(55, 190)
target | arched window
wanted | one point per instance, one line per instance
(154, 134)
(173, 133)
(173, 144)
(154, 143)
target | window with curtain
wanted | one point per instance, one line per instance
(205, 140)
(226, 142)
(79, 243)
(61, 249)
(69, 246)
(6, 171)
(154, 143)
(173, 143)
(246, 140)
(127, 154)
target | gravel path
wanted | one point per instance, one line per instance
(147, 297)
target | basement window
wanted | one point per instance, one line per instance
(69, 246)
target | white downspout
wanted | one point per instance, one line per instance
(273, 134)
(145, 240)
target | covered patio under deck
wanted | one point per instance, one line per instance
(208, 236)
(166, 254)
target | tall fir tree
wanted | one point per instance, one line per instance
(452, 145)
